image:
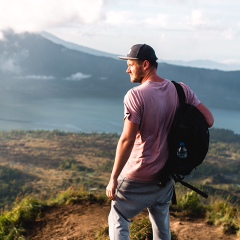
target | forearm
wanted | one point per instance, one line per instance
(123, 152)
(207, 114)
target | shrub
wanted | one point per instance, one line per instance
(141, 229)
(191, 204)
(223, 213)
(27, 210)
(12, 223)
(71, 164)
(106, 166)
(102, 234)
(72, 196)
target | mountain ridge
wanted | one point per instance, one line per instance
(33, 67)
(77, 47)
(207, 64)
(199, 63)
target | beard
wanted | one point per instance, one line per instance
(137, 77)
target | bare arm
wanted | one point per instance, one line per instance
(207, 114)
(124, 148)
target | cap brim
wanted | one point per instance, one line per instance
(127, 58)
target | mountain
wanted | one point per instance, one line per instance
(194, 63)
(77, 47)
(205, 64)
(33, 67)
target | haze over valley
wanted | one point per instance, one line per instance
(36, 72)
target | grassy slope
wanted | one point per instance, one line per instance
(45, 163)
(52, 161)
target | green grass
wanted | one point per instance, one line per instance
(140, 229)
(77, 196)
(44, 163)
(190, 205)
(217, 212)
(222, 213)
(26, 211)
(13, 223)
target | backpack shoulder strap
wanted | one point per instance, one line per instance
(180, 91)
(178, 178)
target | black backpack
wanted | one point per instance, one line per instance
(188, 143)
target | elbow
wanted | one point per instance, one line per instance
(210, 123)
(129, 142)
(210, 120)
(207, 114)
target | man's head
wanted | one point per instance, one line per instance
(141, 61)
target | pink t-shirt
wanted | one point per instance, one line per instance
(152, 105)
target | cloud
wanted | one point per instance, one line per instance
(38, 15)
(209, 25)
(10, 63)
(120, 18)
(78, 76)
(37, 77)
(103, 78)
(157, 21)
(200, 20)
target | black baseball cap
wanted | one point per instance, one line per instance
(140, 52)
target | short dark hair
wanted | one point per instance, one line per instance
(152, 63)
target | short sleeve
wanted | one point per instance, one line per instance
(191, 97)
(132, 107)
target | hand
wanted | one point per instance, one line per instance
(111, 189)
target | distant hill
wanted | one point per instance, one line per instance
(205, 64)
(193, 63)
(77, 47)
(32, 67)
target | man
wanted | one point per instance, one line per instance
(142, 148)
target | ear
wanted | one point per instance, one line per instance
(146, 64)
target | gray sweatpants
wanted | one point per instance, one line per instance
(132, 197)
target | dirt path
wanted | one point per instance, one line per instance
(79, 222)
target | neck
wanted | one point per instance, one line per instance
(153, 77)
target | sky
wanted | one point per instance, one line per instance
(177, 29)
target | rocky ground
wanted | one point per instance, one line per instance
(78, 222)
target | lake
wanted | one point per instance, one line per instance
(83, 115)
